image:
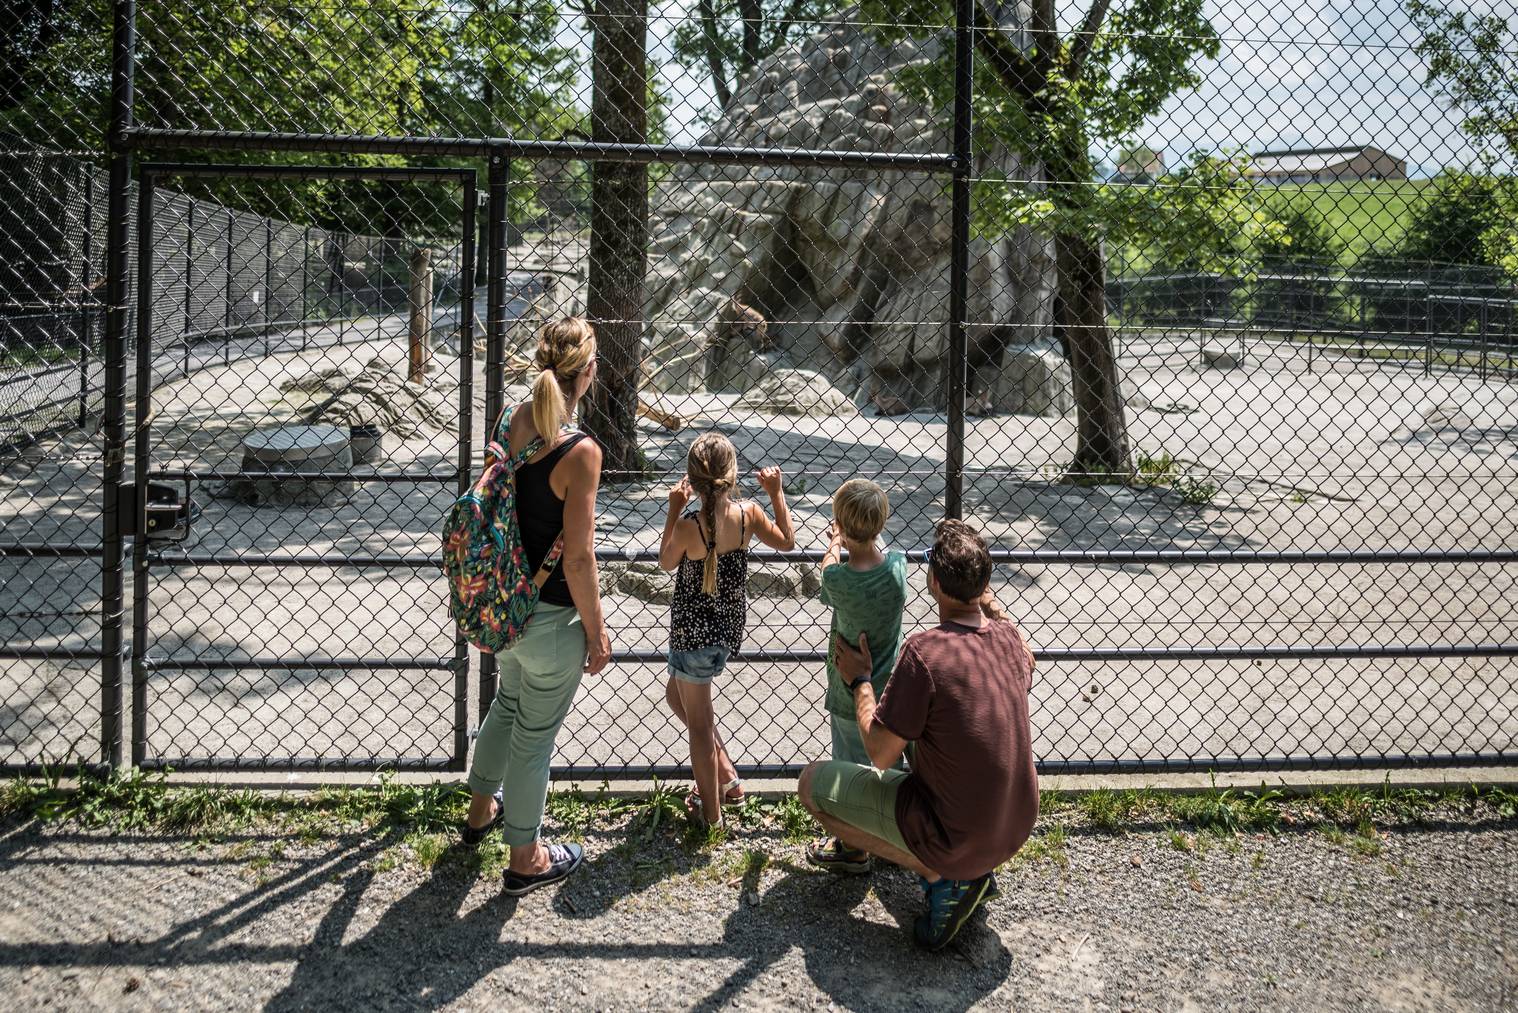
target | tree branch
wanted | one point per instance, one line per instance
(752, 12)
(714, 53)
(1012, 68)
(1080, 49)
(1045, 38)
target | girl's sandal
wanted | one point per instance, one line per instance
(697, 813)
(728, 798)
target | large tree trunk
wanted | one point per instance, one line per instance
(618, 230)
(1101, 448)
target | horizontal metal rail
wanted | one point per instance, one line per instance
(222, 169)
(159, 138)
(292, 559)
(1092, 557)
(35, 769)
(302, 763)
(1127, 765)
(8, 653)
(45, 550)
(1199, 652)
(216, 475)
(1179, 556)
(291, 664)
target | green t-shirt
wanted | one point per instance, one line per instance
(869, 602)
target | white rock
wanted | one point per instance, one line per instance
(822, 253)
(1218, 357)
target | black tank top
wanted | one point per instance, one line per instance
(540, 515)
(698, 619)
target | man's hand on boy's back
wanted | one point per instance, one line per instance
(770, 481)
(851, 661)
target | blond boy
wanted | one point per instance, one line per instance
(868, 594)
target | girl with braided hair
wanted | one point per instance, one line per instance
(708, 550)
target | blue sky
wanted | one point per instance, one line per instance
(1294, 73)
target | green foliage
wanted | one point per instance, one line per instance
(1164, 471)
(422, 808)
(724, 39)
(664, 807)
(387, 67)
(1472, 64)
(1303, 236)
(1230, 811)
(1453, 221)
(795, 822)
(1053, 103)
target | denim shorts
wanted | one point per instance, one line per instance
(699, 666)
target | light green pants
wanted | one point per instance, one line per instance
(538, 679)
(848, 744)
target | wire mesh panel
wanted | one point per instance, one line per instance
(1202, 313)
(290, 612)
(52, 266)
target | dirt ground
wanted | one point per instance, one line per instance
(1419, 918)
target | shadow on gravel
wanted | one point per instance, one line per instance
(420, 955)
(860, 964)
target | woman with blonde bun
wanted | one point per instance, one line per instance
(566, 636)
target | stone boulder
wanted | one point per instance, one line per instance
(1031, 381)
(848, 268)
(797, 392)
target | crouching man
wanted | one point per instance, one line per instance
(959, 696)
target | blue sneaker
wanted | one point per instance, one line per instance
(951, 902)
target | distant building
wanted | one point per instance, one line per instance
(1326, 165)
(1139, 165)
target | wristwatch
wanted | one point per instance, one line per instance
(854, 686)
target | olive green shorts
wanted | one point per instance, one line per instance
(863, 797)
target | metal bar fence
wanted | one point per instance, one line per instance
(1308, 563)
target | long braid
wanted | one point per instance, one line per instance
(712, 466)
(709, 566)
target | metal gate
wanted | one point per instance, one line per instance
(227, 672)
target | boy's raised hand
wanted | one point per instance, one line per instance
(679, 495)
(770, 480)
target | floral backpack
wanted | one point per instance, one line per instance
(491, 591)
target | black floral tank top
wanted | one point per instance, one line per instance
(698, 619)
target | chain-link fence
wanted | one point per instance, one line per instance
(1211, 340)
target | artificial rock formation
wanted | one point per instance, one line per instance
(840, 271)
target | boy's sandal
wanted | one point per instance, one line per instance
(834, 856)
(472, 836)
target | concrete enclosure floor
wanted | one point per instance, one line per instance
(1289, 452)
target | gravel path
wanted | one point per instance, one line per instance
(1414, 919)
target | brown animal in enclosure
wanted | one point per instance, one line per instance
(742, 322)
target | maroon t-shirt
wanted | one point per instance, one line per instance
(961, 694)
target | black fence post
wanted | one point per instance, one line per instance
(268, 281)
(226, 313)
(466, 451)
(498, 182)
(143, 413)
(86, 292)
(189, 284)
(113, 422)
(305, 284)
(957, 365)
